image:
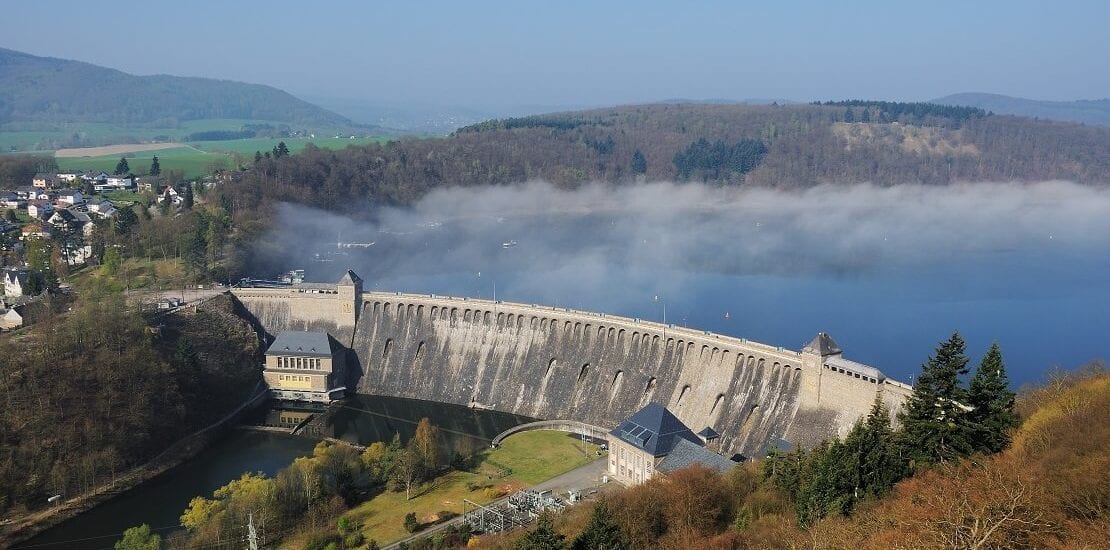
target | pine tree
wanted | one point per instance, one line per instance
(257, 157)
(124, 220)
(282, 150)
(878, 466)
(187, 198)
(934, 424)
(122, 167)
(992, 415)
(543, 537)
(155, 168)
(601, 533)
(639, 163)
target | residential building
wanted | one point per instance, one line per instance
(104, 209)
(35, 230)
(71, 197)
(70, 177)
(44, 181)
(655, 442)
(39, 209)
(68, 222)
(11, 199)
(305, 366)
(10, 318)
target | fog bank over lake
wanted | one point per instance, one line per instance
(888, 271)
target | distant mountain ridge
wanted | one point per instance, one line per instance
(47, 90)
(1087, 111)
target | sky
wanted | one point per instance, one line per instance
(579, 53)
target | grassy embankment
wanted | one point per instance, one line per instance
(532, 457)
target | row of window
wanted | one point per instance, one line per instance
(304, 363)
(293, 377)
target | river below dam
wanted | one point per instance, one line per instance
(360, 419)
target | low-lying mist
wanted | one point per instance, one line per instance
(829, 229)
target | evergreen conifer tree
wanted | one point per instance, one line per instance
(282, 150)
(639, 163)
(543, 537)
(155, 167)
(122, 167)
(187, 197)
(934, 425)
(878, 466)
(601, 533)
(992, 415)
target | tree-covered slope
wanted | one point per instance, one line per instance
(1087, 111)
(786, 146)
(45, 89)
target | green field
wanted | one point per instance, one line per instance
(199, 158)
(532, 456)
(24, 137)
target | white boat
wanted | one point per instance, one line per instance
(508, 244)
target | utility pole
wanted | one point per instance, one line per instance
(252, 535)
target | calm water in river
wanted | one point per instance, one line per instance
(363, 419)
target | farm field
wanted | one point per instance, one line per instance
(199, 158)
(25, 137)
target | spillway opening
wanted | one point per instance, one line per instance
(582, 373)
(649, 389)
(615, 386)
(716, 403)
(550, 368)
(682, 395)
(386, 349)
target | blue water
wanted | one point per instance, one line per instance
(1044, 310)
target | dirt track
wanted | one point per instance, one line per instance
(114, 149)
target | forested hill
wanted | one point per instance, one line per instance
(785, 146)
(45, 89)
(1087, 111)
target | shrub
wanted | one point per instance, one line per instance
(411, 525)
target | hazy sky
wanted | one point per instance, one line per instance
(589, 53)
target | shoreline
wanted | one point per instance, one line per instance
(182, 451)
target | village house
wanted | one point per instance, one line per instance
(148, 183)
(44, 181)
(15, 282)
(12, 200)
(655, 442)
(104, 209)
(70, 177)
(39, 209)
(112, 183)
(305, 366)
(10, 318)
(69, 221)
(71, 197)
(174, 196)
(95, 177)
(26, 192)
(35, 230)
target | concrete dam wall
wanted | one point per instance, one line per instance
(554, 363)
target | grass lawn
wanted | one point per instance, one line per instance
(121, 195)
(135, 273)
(21, 216)
(531, 456)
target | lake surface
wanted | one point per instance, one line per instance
(363, 419)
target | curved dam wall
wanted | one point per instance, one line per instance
(555, 363)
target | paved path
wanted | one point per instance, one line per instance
(581, 479)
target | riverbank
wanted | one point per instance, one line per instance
(180, 452)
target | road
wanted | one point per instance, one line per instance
(190, 295)
(581, 479)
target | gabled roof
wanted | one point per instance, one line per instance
(687, 454)
(822, 345)
(654, 430)
(349, 278)
(309, 344)
(707, 433)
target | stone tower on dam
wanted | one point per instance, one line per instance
(555, 363)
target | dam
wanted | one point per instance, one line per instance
(557, 363)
